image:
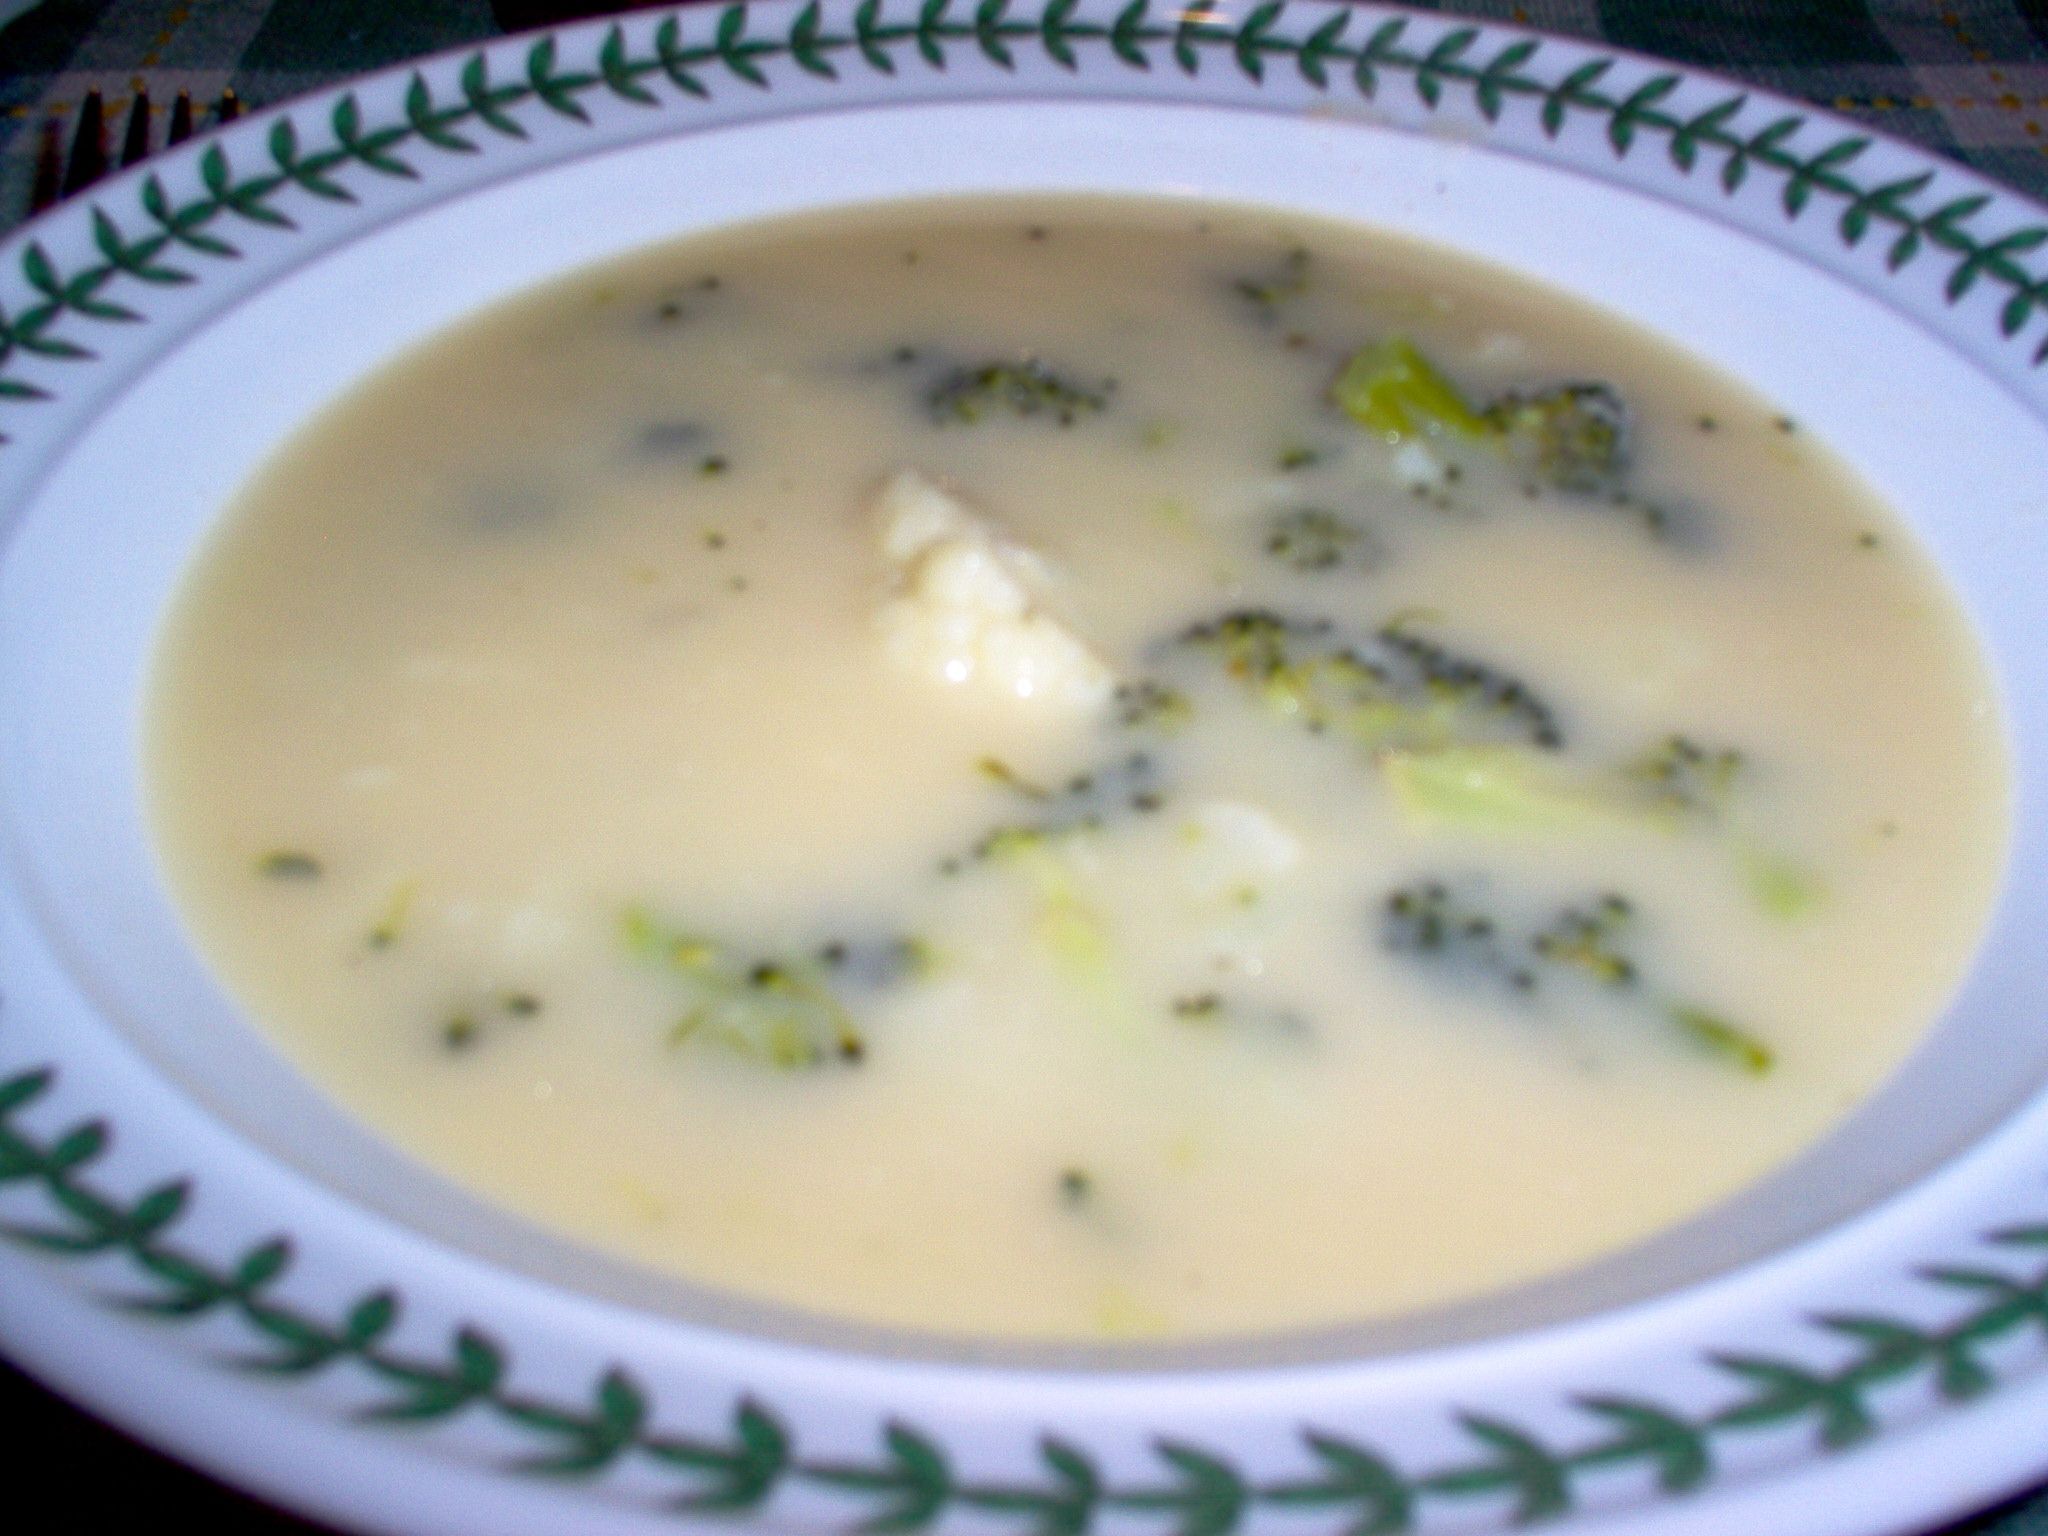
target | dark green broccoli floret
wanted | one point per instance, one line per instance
(1084, 802)
(1397, 688)
(1681, 775)
(1426, 920)
(1581, 946)
(1474, 687)
(1583, 938)
(1288, 280)
(1571, 436)
(773, 1012)
(1312, 539)
(1028, 388)
(1152, 706)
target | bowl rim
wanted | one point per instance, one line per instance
(68, 277)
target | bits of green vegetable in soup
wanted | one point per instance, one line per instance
(1496, 788)
(1022, 389)
(1585, 939)
(1152, 706)
(876, 965)
(1392, 389)
(466, 1027)
(389, 926)
(1311, 539)
(997, 771)
(1582, 944)
(770, 1012)
(1287, 280)
(1394, 688)
(460, 1032)
(289, 864)
(1681, 775)
(1088, 800)
(1571, 437)
(1427, 920)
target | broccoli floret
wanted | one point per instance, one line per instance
(1584, 939)
(1681, 775)
(1086, 801)
(1428, 921)
(1570, 436)
(1152, 706)
(1473, 688)
(774, 1013)
(1287, 280)
(1028, 388)
(1395, 689)
(1582, 945)
(1312, 539)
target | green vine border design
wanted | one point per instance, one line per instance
(1344, 47)
(910, 1483)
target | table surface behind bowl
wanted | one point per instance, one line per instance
(1968, 79)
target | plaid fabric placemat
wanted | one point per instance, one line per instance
(1968, 79)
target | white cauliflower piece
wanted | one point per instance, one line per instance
(1233, 847)
(1417, 467)
(966, 609)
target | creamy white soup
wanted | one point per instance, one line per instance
(1076, 769)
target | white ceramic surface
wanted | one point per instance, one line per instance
(1856, 1347)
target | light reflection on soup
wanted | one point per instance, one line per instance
(1076, 768)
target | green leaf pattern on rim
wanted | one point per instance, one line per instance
(1330, 51)
(909, 1482)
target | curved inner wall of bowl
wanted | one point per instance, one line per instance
(149, 474)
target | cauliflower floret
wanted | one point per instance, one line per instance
(966, 610)
(1415, 466)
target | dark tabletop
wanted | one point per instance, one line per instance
(1968, 78)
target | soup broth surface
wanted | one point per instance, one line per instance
(1076, 769)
